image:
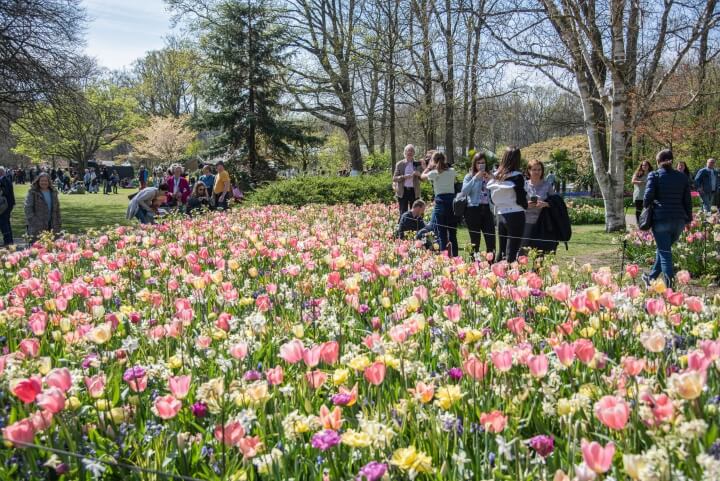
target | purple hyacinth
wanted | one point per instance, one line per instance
(132, 373)
(341, 399)
(252, 376)
(542, 444)
(455, 373)
(199, 409)
(372, 471)
(325, 440)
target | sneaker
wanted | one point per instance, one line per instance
(646, 280)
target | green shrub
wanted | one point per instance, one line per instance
(330, 190)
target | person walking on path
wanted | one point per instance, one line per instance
(406, 179)
(707, 182)
(7, 202)
(507, 192)
(478, 215)
(443, 220)
(668, 192)
(639, 181)
(42, 208)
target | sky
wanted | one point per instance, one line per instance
(120, 31)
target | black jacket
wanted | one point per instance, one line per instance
(408, 223)
(7, 190)
(669, 192)
(553, 225)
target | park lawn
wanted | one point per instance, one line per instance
(79, 212)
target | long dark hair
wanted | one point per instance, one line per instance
(440, 162)
(510, 162)
(686, 169)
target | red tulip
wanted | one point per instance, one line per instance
(27, 389)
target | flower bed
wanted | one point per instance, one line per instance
(283, 343)
(697, 250)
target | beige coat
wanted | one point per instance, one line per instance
(399, 182)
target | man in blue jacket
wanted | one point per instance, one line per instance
(708, 183)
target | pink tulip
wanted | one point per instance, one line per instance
(694, 304)
(584, 350)
(375, 373)
(231, 434)
(275, 375)
(41, 420)
(474, 368)
(239, 351)
(95, 385)
(632, 270)
(697, 361)
(516, 325)
(565, 353)
(613, 412)
(316, 378)
(538, 365)
(19, 432)
(493, 422)
(52, 400)
(167, 407)
(683, 277)
(597, 457)
(38, 323)
(250, 446)
(453, 312)
(27, 389)
(399, 333)
(632, 366)
(311, 356)
(30, 347)
(711, 349)
(179, 386)
(661, 406)
(502, 360)
(330, 352)
(59, 378)
(655, 306)
(292, 352)
(560, 292)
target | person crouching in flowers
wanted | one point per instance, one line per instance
(412, 222)
(144, 205)
(199, 197)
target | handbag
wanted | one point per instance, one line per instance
(460, 203)
(645, 222)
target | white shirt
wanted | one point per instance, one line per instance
(503, 195)
(176, 185)
(443, 182)
(409, 169)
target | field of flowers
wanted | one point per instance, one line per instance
(305, 344)
(697, 250)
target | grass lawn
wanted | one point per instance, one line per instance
(80, 212)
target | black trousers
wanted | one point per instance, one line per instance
(510, 229)
(638, 210)
(406, 201)
(480, 219)
(5, 227)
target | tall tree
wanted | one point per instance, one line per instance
(39, 44)
(165, 80)
(163, 139)
(244, 45)
(77, 124)
(324, 32)
(620, 54)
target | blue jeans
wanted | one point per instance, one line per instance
(666, 233)
(144, 216)
(707, 200)
(443, 222)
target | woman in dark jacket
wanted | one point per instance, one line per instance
(683, 167)
(198, 198)
(668, 191)
(42, 207)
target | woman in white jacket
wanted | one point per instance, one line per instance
(507, 191)
(141, 205)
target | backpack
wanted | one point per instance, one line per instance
(460, 204)
(560, 217)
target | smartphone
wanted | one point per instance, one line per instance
(533, 199)
(417, 164)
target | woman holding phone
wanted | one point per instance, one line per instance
(538, 190)
(406, 179)
(478, 215)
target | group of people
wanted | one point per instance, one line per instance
(705, 180)
(212, 191)
(503, 196)
(42, 206)
(92, 180)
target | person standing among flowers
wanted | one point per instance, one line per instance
(7, 203)
(707, 182)
(639, 181)
(507, 192)
(42, 208)
(538, 190)
(443, 221)
(478, 215)
(406, 179)
(223, 186)
(668, 192)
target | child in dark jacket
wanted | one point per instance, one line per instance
(412, 220)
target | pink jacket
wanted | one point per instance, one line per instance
(184, 189)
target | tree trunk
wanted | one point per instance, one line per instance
(353, 135)
(449, 88)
